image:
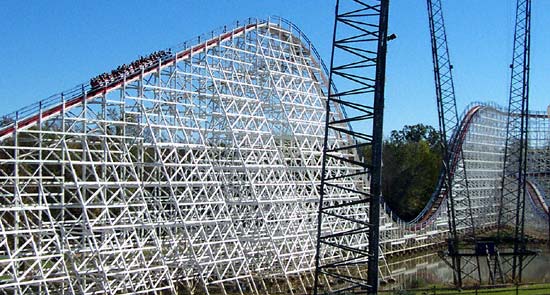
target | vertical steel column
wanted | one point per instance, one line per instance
(442, 70)
(453, 159)
(376, 174)
(347, 236)
(512, 198)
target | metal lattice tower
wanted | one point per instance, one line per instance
(455, 183)
(346, 231)
(512, 199)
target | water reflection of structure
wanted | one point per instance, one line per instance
(413, 271)
(428, 269)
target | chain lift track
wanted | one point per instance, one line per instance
(514, 175)
(455, 184)
(358, 63)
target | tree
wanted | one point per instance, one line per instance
(411, 166)
(417, 133)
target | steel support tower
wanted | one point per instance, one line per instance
(514, 175)
(358, 65)
(455, 185)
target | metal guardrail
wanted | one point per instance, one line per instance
(21, 114)
(10, 121)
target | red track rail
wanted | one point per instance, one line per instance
(536, 197)
(27, 122)
(430, 213)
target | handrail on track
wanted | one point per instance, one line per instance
(54, 104)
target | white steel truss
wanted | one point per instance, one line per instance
(200, 173)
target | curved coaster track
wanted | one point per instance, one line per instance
(199, 171)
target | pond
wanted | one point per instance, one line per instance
(428, 268)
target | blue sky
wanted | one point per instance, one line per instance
(49, 46)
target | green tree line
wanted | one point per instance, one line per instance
(412, 160)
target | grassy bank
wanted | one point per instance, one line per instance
(533, 289)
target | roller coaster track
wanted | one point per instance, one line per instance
(256, 62)
(44, 109)
(537, 199)
(78, 94)
(210, 188)
(426, 217)
(437, 201)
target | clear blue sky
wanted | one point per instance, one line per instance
(49, 46)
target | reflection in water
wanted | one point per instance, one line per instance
(428, 269)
